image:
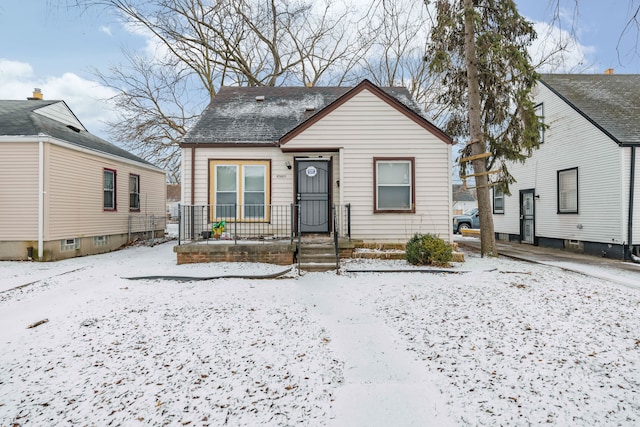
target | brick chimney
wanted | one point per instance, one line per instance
(37, 95)
(608, 71)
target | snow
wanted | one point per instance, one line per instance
(502, 342)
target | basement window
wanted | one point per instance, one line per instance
(67, 245)
(100, 240)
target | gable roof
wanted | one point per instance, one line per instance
(461, 194)
(21, 118)
(610, 102)
(272, 115)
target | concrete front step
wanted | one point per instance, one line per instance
(317, 266)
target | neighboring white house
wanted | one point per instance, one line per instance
(578, 190)
(463, 199)
(65, 192)
(365, 146)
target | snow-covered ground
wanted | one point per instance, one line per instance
(500, 343)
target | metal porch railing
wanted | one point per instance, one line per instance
(251, 222)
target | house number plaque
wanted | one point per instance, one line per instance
(311, 171)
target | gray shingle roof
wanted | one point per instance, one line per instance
(461, 194)
(236, 116)
(17, 118)
(611, 102)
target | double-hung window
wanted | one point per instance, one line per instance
(568, 191)
(240, 189)
(134, 192)
(109, 190)
(394, 184)
(498, 201)
(539, 109)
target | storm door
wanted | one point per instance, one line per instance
(527, 216)
(313, 178)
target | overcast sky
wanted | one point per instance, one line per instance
(49, 46)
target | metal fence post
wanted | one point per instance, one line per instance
(153, 228)
(336, 237)
(299, 226)
(349, 220)
(291, 226)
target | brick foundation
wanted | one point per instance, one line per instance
(279, 254)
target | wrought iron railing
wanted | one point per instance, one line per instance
(235, 222)
(250, 222)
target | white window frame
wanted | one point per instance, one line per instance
(539, 110)
(377, 161)
(100, 240)
(105, 189)
(563, 176)
(134, 192)
(67, 245)
(498, 194)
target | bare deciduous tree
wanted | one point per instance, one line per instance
(202, 45)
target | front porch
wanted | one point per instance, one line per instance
(271, 236)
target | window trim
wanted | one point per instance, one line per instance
(134, 209)
(541, 128)
(498, 211)
(100, 241)
(412, 192)
(239, 164)
(564, 212)
(68, 245)
(115, 190)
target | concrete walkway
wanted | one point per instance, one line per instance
(620, 272)
(383, 384)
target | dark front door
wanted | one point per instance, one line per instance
(313, 179)
(527, 216)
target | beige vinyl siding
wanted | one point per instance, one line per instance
(366, 127)
(281, 177)
(570, 141)
(74, 194)
(18, 191)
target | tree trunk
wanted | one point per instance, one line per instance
(478, 145)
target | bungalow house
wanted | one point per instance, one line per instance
(65, 192)
(577, 191)
(365, 151)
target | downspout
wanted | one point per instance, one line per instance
(632, 176)
(192, 218)
(193, 174)
(341, 177)
(40, 199)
